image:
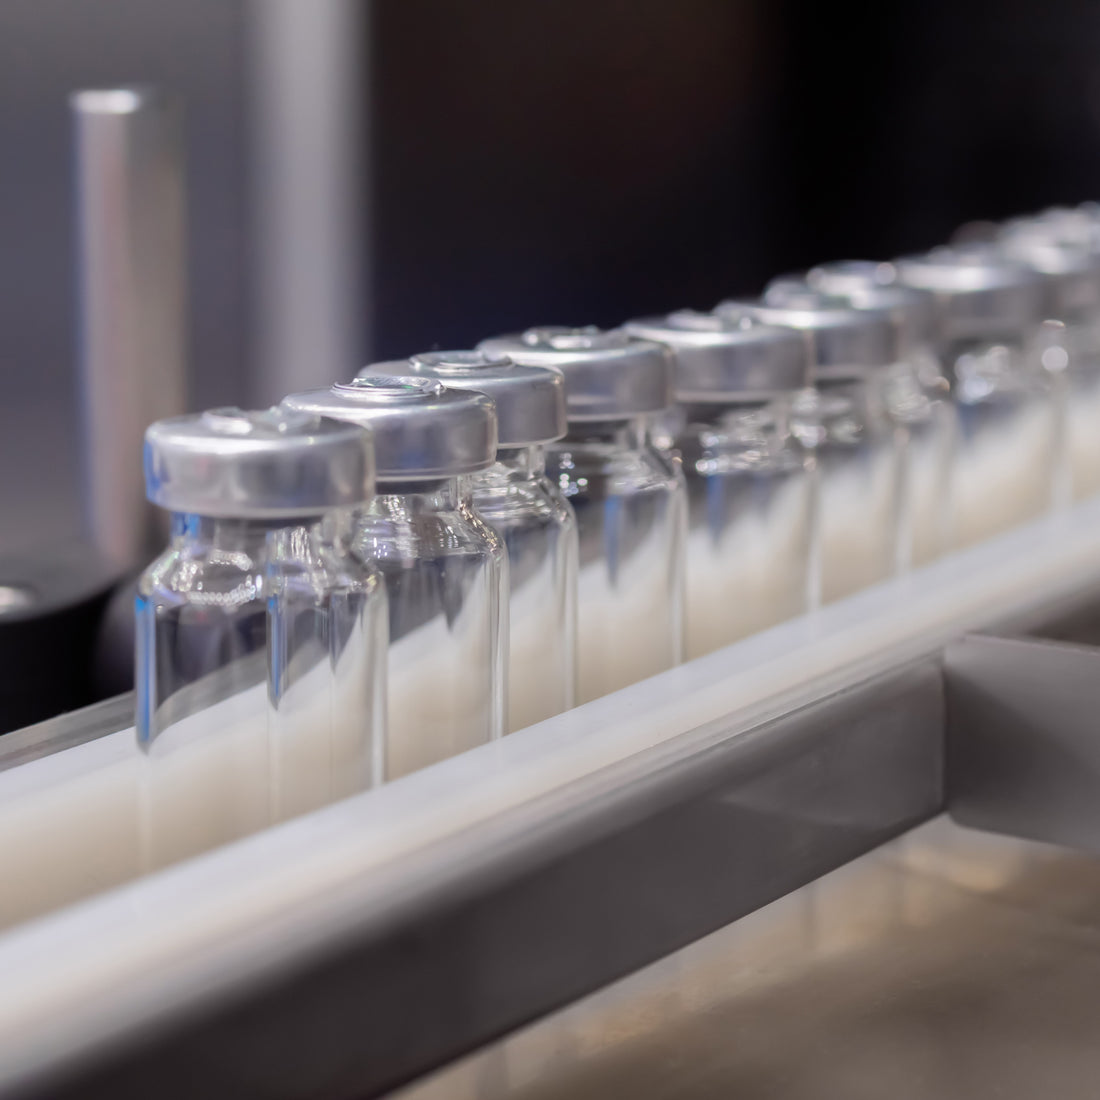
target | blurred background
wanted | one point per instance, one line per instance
(371, 179)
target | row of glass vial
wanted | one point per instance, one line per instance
(824, 448)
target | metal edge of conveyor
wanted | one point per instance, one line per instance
(379, 973)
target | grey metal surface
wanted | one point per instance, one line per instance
(609, 375)
(257, 464)
(131, 279)
(515, 931)
(724, 359)
(420, 429)
(78, 727)
(949, 964)
(1023, 753)
(530, 401)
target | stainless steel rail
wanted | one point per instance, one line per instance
(362, 946)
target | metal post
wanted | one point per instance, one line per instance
(131, 289)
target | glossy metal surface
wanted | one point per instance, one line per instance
(239, 464)
(948, 964)
(132, 272)
(530, 401)
(420, 428)
(609, 375)
(722, 359)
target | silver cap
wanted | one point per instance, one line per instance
(728, 358)
(980, 291)
(275, 464)
(609, 375)
(530, 401)
(421, 429)
(1071, 269)
(870, 284)
(845, 342)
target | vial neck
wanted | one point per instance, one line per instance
(528, 461)
(237, 535)
(436, 495)
(631, 434)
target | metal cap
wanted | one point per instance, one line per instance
(870, 284)
(609, 375)
(421, 429)
(1070, 267)
(530, 401)
(274, 464)
(728, 358)
(845, 342)
(981, 291)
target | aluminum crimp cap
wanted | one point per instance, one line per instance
(845, 342)
(421, 429)
(609, 374)
(872, 284)
(981, 292)
(1071, 267)
(271, 464)
(729, 358)
(530, 401)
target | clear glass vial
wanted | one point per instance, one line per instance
(917, 395)
(445, 570)
(530, 514)
(1066, 253)
(260, 643)
(749, 480)
(629, 499)
(990, 310)
(842, 419)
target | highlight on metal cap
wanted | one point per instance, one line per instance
(845, 342)
(609, 374)
(728, 358)
(981, 291)
(1070, 266)
(872, 284)
(421, 429)
(530, 400)
(275, 463)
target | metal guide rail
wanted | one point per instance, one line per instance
(362, 946)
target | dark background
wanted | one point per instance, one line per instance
(589, 160)
(524, 162)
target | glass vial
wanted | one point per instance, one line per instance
(532, 517)
(259, 643)
(917, 395)
(749, 480)
(445, 570)
(842, 419)
(1066, 253)
(1005, 461)
(629, 499)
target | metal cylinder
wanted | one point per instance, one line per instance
(131, 292)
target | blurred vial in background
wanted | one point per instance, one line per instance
(1066, 252)
(260, 639)
(917, 396)
(1006, 456)
(749, 480)
(629, 499)
(445, 570)
(530, 514)
(844, 421)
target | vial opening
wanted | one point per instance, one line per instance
(460, 362)
(384, 387)
(563, 338)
